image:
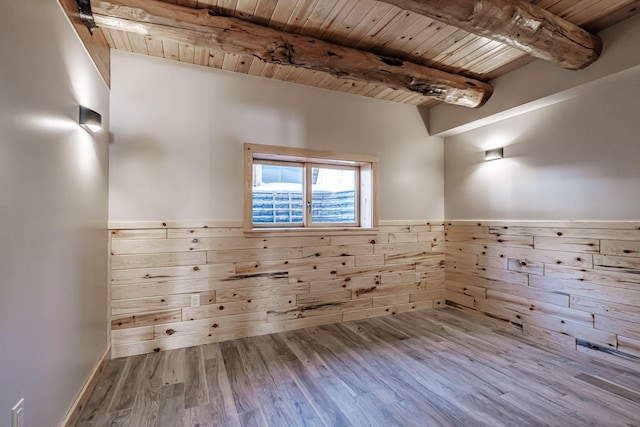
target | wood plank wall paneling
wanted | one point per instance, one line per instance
(254, 284)
(568, 285)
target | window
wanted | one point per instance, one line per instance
(292, 187)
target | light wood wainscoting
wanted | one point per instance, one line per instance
(252, 284)
(568, 285)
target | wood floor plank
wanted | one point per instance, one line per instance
(244, 395)
(343, 397)
(147, 406)
(434, 367)
(253, 418)
(610, 387)
(196, 392)
(307, 356)
(601, 413)
(173, 364)
(171, 405)
(404, 378)
(222, 406)
(317, 397)
(294, 403)
(436, 370)
(200, 416)
(153, 366)
(629, 380)
(348, 365)
(536, 406)
(145, 410)
(125, 394)
(376, 412)
(111, 419)
(98, 403)
(266, 392)
(436, 384)
(501, 414)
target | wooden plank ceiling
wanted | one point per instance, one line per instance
(373, 27)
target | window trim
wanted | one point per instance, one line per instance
(367, 181)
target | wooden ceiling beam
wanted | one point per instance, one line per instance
(203, 28)
(516, 23)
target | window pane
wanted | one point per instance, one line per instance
(277, 194)
(334, 195)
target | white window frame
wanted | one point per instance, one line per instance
(365, 165)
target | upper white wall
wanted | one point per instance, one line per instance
(578, 159)
(53, 211)
(178, 132)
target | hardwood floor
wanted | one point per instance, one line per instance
(428, 368)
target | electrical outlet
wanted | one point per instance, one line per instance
(195, 301)
(17, 414)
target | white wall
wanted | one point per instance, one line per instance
(179, 129)
(53, 213)
(578, 159)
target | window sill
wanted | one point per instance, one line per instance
(311, 231)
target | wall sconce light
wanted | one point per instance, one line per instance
(495, 154)
(89, 119)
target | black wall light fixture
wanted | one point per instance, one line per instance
(89, 119)
(495, 154)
